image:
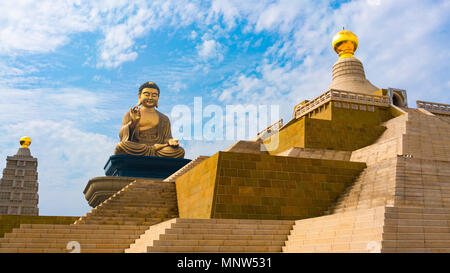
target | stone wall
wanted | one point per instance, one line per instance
(338, 126)
(251, 186)
(9, 222)
(195, 189)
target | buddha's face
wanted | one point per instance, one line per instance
(149, 97)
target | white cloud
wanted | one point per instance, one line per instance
(30, 27)
(210, 49)
(40, 26)
(193, 35)
(177, 86)
(55, 104)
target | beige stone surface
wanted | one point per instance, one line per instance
(244, 146)
(349, 75)
(110, 227)
(214, 235)
(354, 231)
(317, 153)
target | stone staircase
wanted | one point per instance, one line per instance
(214, 235)
(416, 230)
(352, 231)
(407, 179)
(375, 186)
(186, 168)
(109, 228)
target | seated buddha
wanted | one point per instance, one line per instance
(145, 131)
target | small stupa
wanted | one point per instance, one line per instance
(19, 186)
(348, 71)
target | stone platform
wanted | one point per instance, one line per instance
(98, 189)
(143, 166)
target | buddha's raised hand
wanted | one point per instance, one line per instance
(135, 114)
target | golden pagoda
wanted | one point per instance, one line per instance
(348, 71)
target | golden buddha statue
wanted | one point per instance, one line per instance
(145, 131)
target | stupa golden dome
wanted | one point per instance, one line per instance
(25, 142)
(345, 43)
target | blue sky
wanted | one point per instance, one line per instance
(69, 70)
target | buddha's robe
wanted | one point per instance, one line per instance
(151, 142)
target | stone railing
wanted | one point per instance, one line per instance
(339, 95)
(434, 107)
(272, 129)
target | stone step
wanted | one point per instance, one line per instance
(140, 200)
(229, 242)
(130, 208)
(75, 230)
(236, 221)
(56, 250)
(142, 217)
(149, 191)
(136, 205)
(92, 227)
(72, 236)
(416, 236)
(122, 211)
(119, 221)
(343, 248)
(222, 237)
(416, 243)
(331, 227)
(156, 199)
(220, 226)
(227, 231)
(415, 250)
(122, 220)
(215, 249)
(110, 222)
(417, 222)
(112, 240)
(64, 245)
(130, 217)
(109, 227)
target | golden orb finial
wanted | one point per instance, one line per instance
(25, 142)
(345, 43)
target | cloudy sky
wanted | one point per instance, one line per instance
(70, 69)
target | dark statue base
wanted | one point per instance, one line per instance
(123, 169)
(143, 166)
